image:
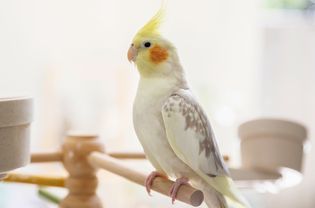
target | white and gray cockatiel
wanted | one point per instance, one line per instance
(172, 127)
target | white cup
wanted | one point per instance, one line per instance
(16, 115)
(271, 144)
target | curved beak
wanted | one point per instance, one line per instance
(132, 53)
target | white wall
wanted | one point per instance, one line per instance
(71, 55)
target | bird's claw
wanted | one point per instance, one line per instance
(175, 187)
(149, 180)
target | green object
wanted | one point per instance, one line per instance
(286, 4)
(49, 196)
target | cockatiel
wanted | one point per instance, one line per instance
(172, 127)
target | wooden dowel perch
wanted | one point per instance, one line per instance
(140, 155)
(46, 157)
(37, 180)
(57, 156)
(185, 194)
(127, 155)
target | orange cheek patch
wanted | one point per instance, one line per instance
(158, 54)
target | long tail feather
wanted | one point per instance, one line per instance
(225, 186)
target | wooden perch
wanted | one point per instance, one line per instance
(226, 158)
(57, 156)
(139, 155)
(185, 194)
(39, 180)
(46, 157)
(127, 155)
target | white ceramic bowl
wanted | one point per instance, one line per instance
(272, 144)
(16, 115)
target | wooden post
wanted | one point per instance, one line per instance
(82, 181)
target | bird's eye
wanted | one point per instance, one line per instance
(147, 44)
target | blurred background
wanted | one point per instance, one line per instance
(244, 59)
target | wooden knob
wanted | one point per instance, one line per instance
(82, 181)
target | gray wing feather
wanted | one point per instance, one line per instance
(182, 105)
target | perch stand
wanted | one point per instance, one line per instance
(81, 156)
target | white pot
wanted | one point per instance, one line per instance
(271, 144)
(15, 118)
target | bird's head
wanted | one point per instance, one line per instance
(150, 51)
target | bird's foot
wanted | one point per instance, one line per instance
(175, 187)
(149, 180)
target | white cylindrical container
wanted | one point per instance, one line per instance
(16, 115)
(270, 144)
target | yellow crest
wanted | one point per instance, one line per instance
(152, 27)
